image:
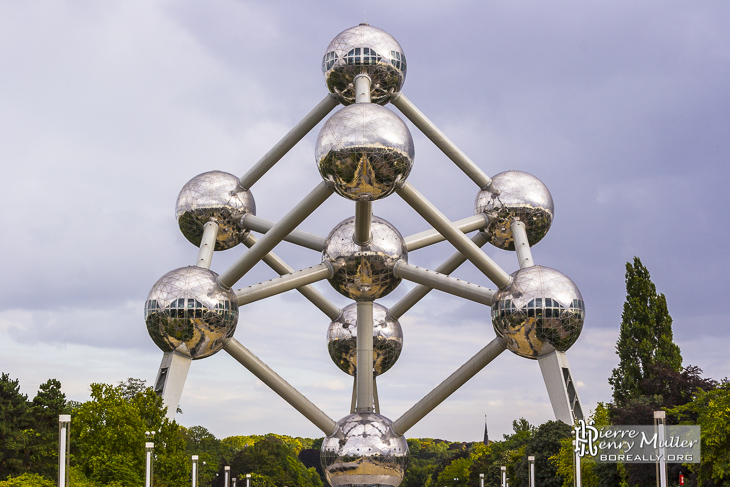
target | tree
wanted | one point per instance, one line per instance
(645, 338)
(109, 433)
(15, 420)
(47, 405)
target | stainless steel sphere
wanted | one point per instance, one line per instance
(521, 197)
(364, 451)
(364, 272)
(364, 149)
(214, 196)
(387, 339)
(188, 311)
(541, 311)
(364, 49)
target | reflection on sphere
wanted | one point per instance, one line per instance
(189, 312)
(214, 196)
(541, 311)
(364, 49)
(364, 451)
(364, 272)
(521, 197)
(342, 339)
(364, 149)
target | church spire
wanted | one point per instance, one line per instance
(486, 433)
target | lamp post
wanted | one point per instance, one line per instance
(149, 448)
(531, 460)
(248, 480)
(234, 481)
(661, 465)
(481, 480)
(504, 475)
(64, 440)
(227, 476)
(194, 472)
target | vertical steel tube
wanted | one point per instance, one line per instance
(289, 140)
(364, 369)
(207, 245)
(363, 217)
(448, 386)
(430, 130)
(522, 245)
(362, 84)
(295, 398)
(419, 292)
(290, 221)
(314, 296)
(462, 243)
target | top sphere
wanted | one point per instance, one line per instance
(214, 196)
(364, 49)
(521, 197)
(541, 311)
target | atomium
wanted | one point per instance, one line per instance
(541, 311)
(364, 49)
(365, 153)
(188, 312)
(364, 451)
(365, 150)
(342, 339)
(364, 272)
(218, 197)
(521, 197)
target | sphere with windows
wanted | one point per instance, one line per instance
(541, 311)
(364, 49)
(187, 311)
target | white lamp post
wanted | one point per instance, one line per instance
(64, 440)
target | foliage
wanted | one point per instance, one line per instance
(645, 338)
(711, 411)
(28, 480)
(564, 459)
(14, 423)
(110, 430)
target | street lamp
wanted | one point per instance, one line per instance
(194, 473)
(149, 448)
(481, 480)
(504, 475)
(64, 441)
(226, 476)
(248, 480)
(531, 459)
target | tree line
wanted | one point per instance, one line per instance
(108, 431)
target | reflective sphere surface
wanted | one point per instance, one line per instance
(364, 149)
(541, 307)
(214, 196)
(364, 451)
(387, 339)
(188, 311)
(522, 197)
(364, 272)
(364, 49)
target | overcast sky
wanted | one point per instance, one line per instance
(108, 108)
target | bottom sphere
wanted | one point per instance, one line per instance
(364, 451)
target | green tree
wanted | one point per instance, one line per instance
(15, 421)
(47, 405)
(711, 411)
(646, 336)
(109, 432)
(28, 480)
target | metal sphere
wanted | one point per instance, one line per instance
(521, 197)
(214, 196)
(364, 451)
(387, 339)
(364, 49)
(541, 311)
(365, 150)
(189, 312)
(364, 272)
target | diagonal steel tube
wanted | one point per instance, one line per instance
(449, 386)
(289, 140)
(430, 237)
(284, 283)
(430, 130)
(285, 390)
(442, 282)
(207, 245)
(298, 237)
(277, 233)
(419, 292)
(462, 243)
(522, 245)
(314, 296)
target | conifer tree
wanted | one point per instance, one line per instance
(646, 336)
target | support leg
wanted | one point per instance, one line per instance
(561, 388)
(171, 380)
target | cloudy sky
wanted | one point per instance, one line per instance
(108, 108)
